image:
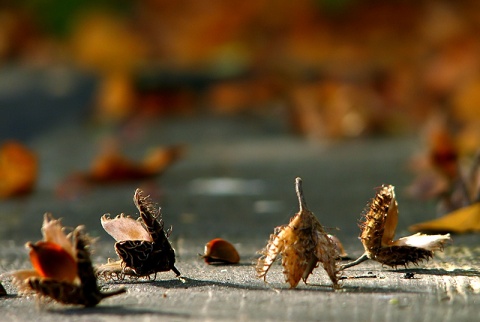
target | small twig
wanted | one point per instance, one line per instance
(359, 260)
(176, 271)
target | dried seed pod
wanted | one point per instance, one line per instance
(378, 231)
(220, 251)
(303, 243)
(62, 268)
(142, 245)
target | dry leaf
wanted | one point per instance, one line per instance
(378, 232)
(62, 270)
(142, 245)
(463, 220)
(114, 167)
(220, 251)
(18, 169)
(303, 243)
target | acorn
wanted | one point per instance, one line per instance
(220, 251)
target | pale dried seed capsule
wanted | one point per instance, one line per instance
(303, 243)
(378, 232)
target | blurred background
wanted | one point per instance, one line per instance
(236, 82)
(334, 69)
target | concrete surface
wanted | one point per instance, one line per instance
(237, 182)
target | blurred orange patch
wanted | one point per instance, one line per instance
(111, 166)
(18, 169)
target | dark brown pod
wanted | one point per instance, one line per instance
(220, 251)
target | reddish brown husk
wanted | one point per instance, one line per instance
(303, 243)
(69, 283)
(52, 261)
(220, 251)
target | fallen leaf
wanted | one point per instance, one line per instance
(62, 269)
(378, 232)
(142, 245)
(463, 220)
(112, 166)
(18, 169)
(303, 243)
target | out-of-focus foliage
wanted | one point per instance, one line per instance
(18, 169)
(339, 68)
(449, 174)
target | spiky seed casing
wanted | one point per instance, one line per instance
(302, 244)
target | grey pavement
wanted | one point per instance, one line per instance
(237, 182)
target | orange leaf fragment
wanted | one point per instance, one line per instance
(18, 169)
(466, 219)
(112, 166)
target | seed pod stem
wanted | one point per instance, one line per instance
(359, 260)
(299, 190)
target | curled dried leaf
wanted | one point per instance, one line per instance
(142, 245)
(303, 243)
(378, 232)
(18, 169)
(219, 250)
(62, 270)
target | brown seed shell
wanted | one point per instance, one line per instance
(219, 250)
(378, 232)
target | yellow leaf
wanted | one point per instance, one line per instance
(462, 220)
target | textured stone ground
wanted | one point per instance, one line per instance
(237, 182)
